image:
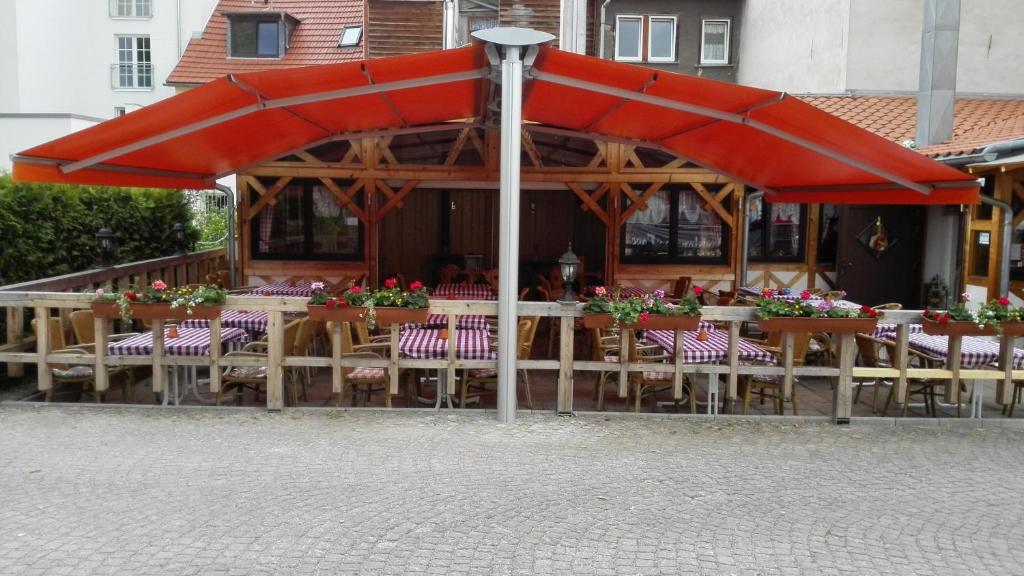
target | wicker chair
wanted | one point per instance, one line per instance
(771, 386)
(606, 349)
(649, 384)
(82, 375)
(867, 354)
(927, 388)
(479, 379)
(241, 378)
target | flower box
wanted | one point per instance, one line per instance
(155, 310)
(966, 328)
(654, 322)
(385, 314)
(833, 325)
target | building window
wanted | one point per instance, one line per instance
(661, 42)
(306, 224)
(776, 232)
(714, 42)
(676, 227)
(350, 36)
(255, 38)
(134, 68)
(119, 111)
(629, 38)
(131, 8)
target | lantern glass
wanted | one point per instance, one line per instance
(567, 265)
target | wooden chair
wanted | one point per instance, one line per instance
(682, 287)
(650, 384)
(771, 386)
(491, 278)
(867, 355)
(606, 349)
(82, 375)
(1018, 386)
(888, 306)
(83, 328)
(302, 376)
(241, 378)
(446, 275)
(927, 388)
(363, 381)
(479, 379)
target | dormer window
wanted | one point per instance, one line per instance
(262, 35)
(350, 36)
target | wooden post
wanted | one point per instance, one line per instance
(734, 363)
(15, 335)
(336, 378)
(159, 376)
(275, 355)
(100, 328)
(1004, 387)
(787, 378)
(453, 350)
(953, 363)
(842, 398)
(215, 345)
(44, 375)
(393, 357)
(565, 374)
(900, 361)
(677, 373)
(625, 340)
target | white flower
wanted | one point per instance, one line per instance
(966, 296)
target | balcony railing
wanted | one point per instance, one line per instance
(131, 76)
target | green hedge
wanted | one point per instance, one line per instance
(50, 229)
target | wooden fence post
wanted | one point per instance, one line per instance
(44, 376)
(565, 374)
(275, 356)
(842, 395)
(15, 335)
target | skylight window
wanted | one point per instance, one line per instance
(350, 36)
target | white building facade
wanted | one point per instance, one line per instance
(68, 64)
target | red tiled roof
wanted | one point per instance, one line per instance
(977, 122)
(315, 40)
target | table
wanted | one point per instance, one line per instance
(423, 343)
(284, 288)
(974, 352)
(462, 322)
(711, 351)
(464, 292)
(253, 322)
(190, 342)
(888, 331)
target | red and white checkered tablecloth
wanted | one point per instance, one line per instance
(255, 321)
(714, 349)
(301, 288)
(974, 352)
(464, 322)
(423, 344)
(190, 342)
(888, 331)
(464, 292)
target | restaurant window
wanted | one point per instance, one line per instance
(714, 41)
(131, 8)
(629, 38)
(306, 224)
(678, 226)
(776, 232)
(255, 37)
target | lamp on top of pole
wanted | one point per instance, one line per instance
(568, 263)
(106, 242)
(178, 230)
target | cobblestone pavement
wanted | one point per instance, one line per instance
(147, 491)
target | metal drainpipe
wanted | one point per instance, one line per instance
(755, 195)
(1004, 261)
(601, 28)
(232, 248)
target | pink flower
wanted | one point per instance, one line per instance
(1004, 301)
(659, 293)
(390, 283)
(645, 316)
(159, 285)
(416, 285)
(966, 296)
(317, 286)
(600, 291)
(99, 292)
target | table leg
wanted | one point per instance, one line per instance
(712, 394)
(442, 390)
(977, 393)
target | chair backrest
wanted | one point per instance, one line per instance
(306, 332)
(526, 333)
(888, 306)
(867, 349)
(555, 277)
(291, 331)
(524, 293)
(542, 282)
(601, 345)
(362, 332)
(726, 297)
(346, 336)
(446, 275)
(545, 293)
(55, 332)
(682, 287)
(82, 325)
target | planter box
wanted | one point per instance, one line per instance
(385, 315)
(955, 328)
(161, 310)
(655, 322)
(833, 325)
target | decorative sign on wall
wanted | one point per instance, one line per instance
(875, 239)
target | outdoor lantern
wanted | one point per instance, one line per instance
(106, 242)
(568, 264)
(179, 237)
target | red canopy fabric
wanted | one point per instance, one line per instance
(768, 140)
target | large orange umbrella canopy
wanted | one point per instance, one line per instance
(767, 140)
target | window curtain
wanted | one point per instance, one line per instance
(266, 226)
(714, 41)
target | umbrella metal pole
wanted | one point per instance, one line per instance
(508, 246)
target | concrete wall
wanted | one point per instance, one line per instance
(689, 15)
(795, 45)
(9, 60)
(885, 45)
(22, 131)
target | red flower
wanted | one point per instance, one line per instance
(131, 296)
(390, 283)
(767, 293)
(342, 303)
(927, 313)
(944, 319)
(331, 303)
(416, 285)
(645, 316)
(806, 295)
(355, 290)
(865, 309)
(1004, 301)
(698, 290)
(872, 313)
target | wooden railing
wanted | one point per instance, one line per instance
(174, 270)
(277, 362)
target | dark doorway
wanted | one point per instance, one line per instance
(880, 253)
